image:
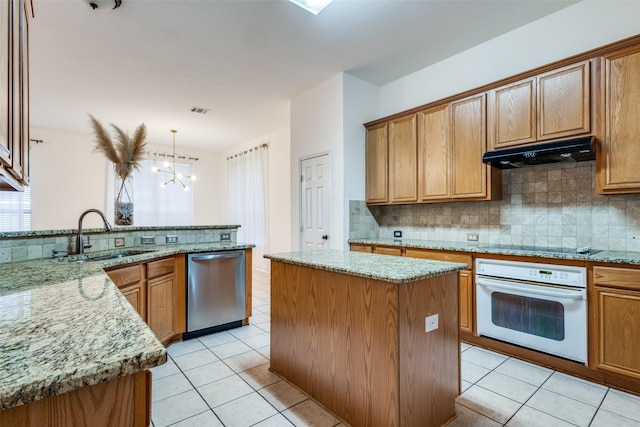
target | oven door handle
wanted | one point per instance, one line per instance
(533, 289)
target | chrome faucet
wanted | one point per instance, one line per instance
(79, 239)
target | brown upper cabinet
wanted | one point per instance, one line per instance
(403, 160)
(434, 148)
(451, 142)
(617, 162)
(392, 162)
(469, 143)
(377, 163)
(14, 94)
(433, 155)
(556, 104)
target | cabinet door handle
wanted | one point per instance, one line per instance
(325, 237)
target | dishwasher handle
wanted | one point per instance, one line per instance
(207, 257)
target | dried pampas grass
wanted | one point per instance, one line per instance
(127, 153)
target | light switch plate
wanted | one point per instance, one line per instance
(472, 237)
(118, 242)
(431, 323)
(171, 239)
(225, 236)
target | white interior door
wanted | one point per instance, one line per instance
(315, 202)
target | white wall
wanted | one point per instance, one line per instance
(68, 177)
(360, 106)
(578, 28)
(317, 127)
(279, 202)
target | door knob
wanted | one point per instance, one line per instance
(325, 237)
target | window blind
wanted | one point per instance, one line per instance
(15, 210)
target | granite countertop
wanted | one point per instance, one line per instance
(371, 266)
(614, 257)
(65, 325)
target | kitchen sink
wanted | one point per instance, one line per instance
(105, 256)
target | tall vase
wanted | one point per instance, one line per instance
(123, 195)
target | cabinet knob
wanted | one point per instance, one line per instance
(325, 237)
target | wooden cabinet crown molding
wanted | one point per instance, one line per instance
(590, 54)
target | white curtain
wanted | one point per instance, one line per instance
(247, 174)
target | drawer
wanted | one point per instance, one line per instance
(614, 277)
(439, 256)
(126, 275)
(161, 267)
(361, 248)
(387, 251)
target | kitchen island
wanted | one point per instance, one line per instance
(73, 351)
(348, 329)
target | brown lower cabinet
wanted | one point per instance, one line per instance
(124, 401)
(156, 290)
(617, 320)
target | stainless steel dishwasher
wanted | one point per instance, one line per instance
(215, 291)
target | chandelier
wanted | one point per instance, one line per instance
(175, 176)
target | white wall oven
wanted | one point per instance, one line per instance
(538, 306)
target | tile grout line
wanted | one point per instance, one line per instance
(182, 372)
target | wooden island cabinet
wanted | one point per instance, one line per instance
(356, 341)
(465, 282)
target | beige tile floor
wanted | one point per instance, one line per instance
(223, 380)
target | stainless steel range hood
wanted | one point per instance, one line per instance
(568, 150)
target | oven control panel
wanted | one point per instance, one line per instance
(544, 273)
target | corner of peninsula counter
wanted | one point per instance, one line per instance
(348, 329)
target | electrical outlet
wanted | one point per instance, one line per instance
(118, 242)
(431, 323)
(472, 237)
(171, 239)
(397, 233)
(147, 240)
(225, 236)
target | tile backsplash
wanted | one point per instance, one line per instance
(16, 249)
(545, 205)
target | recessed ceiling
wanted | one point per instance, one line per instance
(152, 61)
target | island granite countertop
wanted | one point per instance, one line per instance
(64, 325)
(602, 256)
(373, 266)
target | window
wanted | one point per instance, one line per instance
(154, 205)
(15, 210)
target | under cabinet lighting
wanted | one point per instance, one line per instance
(313, 6)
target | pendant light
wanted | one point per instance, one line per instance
(175, 177)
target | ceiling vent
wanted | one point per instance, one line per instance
(200, 110)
